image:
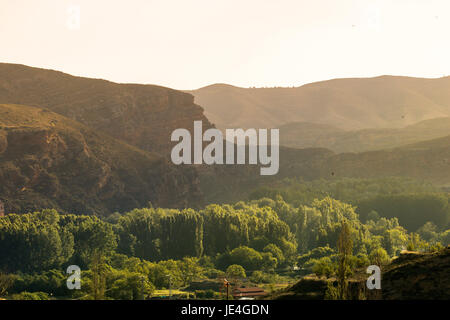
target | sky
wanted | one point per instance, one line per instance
(188, 44)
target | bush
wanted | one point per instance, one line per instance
(316, 253)
(214, 273)
(262, 277)
(30, 296)
(236, 271)
(51, 282)
(379, 257)
(445, 237)
(323, 267)
(247, 257)
(205, 294)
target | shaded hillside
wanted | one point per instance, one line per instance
(426, 161)
(49, 161)
(231, 183)
(145, 116)
(349, 104)
(141, 115)
(418, 276)
(412, 276)
(308, 135)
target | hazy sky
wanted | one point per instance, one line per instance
(188, 44)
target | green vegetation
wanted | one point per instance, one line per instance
(413, 202)
(311, 135)
(263, 241)
(297, 191)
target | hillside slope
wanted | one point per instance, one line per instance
(412, 276)
(425, 161)
(308, 135)
(49, 161)
(141, 115)
(428, 160)
(349, 104)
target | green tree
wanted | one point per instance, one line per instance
(379, 257)
(6, 282)
(91, 236)
(415, 243)
(236, 271)
(190, 269)
(33, 242)
(99, 271)
(323, 267)
(249, 258)
(276, 252)
(429, 232)
(345, 249)
(125, 285)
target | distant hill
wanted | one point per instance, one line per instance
(348, 104)
(308, 135)
(428, 160)
(78, 163)
(425, 161)
(141, 115)
(50, 161)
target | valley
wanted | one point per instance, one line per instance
(87, 179)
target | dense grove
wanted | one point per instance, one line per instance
(413, 202)
(267, 240)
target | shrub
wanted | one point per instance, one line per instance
(30, 296)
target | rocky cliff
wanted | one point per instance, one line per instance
(141, 115)
(49, 161)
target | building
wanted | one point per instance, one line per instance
(249, 292)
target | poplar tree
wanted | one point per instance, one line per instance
(345, 249)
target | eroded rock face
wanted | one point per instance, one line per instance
(84, 177)
(48, 161)
(141, 115)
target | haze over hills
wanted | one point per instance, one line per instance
(308, 135)
(427, 160)
(49, 161)
(424, 161)
(113, 175)
(141, 115)
(348, 104)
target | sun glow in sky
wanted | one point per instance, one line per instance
(187, 44)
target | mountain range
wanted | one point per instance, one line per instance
(93, 146)
(141, 115)
(348, 104)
